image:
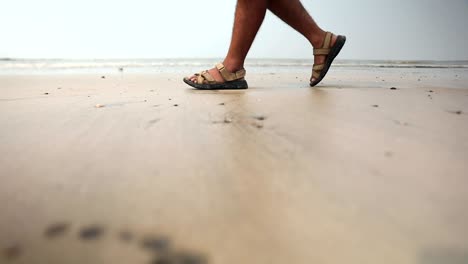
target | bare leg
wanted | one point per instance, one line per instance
(248, 19)
(295, 15)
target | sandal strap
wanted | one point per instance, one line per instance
(230, 76)
(316, 74)
(327, 42)
(204, 76)
(325, 49)
(321, 51)
(317, 70)
(208, 76)
(318, 67)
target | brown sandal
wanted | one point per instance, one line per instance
(320, 70)
(232, 80)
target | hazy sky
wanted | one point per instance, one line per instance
(376, 29)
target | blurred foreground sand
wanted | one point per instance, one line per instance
(349, 172)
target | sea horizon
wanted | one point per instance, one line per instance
(173, 65)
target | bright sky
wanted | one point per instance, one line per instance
(376, 29)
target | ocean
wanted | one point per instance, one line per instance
(67, 66)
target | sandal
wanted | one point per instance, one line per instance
(320, 70)
(232, 80)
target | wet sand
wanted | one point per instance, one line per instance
(137, 168)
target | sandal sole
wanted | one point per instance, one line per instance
(340, 41)
(233, 85)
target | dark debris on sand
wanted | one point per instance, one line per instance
(258, 123)
(227, 120)
(91, 232)
(260, 118)
(12, 252)
(393, 88)
(155, 244)
(56, 230)
(458, 112)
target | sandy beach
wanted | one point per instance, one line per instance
(370, 167)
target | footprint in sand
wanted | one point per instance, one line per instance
(160, 248)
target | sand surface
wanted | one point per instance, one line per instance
(350, 172)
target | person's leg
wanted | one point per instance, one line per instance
(248, 19)
(293, 13)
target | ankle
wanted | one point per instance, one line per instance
(317, 38)
(233, 65)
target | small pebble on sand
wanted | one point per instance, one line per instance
(103, 77)
(457, 112)
(99, 106)
(176, 105)
(46, 93)
(260, 118)
(375, 105)
(393, 88)
(227, 120)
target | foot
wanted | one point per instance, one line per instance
(318, 43)
(216, 74)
